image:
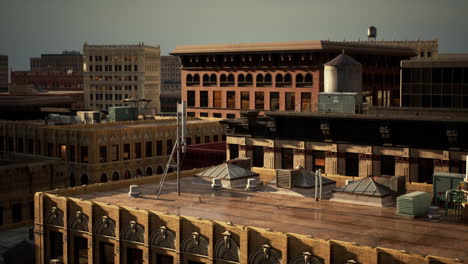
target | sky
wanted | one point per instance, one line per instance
(29, 28)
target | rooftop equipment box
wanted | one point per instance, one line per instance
(344, 103)
(443, 182)
(123, 113)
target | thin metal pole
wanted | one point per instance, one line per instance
(178, 152)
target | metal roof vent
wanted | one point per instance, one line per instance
(252, 185)
(134, 191)
(216, 184)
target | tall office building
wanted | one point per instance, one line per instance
(113, 73)
(3, 72)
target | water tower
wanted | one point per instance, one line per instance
(372, 33)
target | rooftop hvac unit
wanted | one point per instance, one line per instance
(413, 204)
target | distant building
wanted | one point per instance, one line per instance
(223, 80)
(170, 83)
(104, 152)
(113, 73)
(49, 80)
(438, 83)
(67, 61)
(3, 72)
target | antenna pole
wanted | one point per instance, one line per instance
(178, 151)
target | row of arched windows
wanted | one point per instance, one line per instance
(246, 80)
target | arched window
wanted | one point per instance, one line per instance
(240, 78)
(138, 173)
(206, 80)
(299, 80)
(227, 80)
(260, 80)
(213, 79)
(279, 80)
(249, 80)
(268, 80)
(115, 176)
(103, 178)
(127, 174)
(196, 79)
(223, 79)
(84, 179)
(287, 80)
(149, 171)
(189, 80)
(159, 170)
(308, 80)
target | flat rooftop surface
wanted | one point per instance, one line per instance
(365, 225)
(135, 124)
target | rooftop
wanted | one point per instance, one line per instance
(324, 219)
(317, 45)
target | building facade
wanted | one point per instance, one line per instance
(49, 80)
(437, 83)
(353, 145)
(170, 74)
(223, 80)
(81, 225)
(113, 73)
(424, 49)
(65, 62)
(108, 151)
(22, 176)
(4, 71)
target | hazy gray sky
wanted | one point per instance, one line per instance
(31, 27)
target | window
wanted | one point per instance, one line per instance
(352, 164)
(290, 101)
(217, 99)
(19, 145)
(245, 97)
(258, 157)
(71, 153)
(203, 98)
(63, 152)
(84, 154)
(126, 152)
(287, 158)
(233, 151)
(207, 139)
(274, 101)
(81, 250)
(217, 115)
(16, 215)
(102, 154)
(115, 152)
(259, 101)
(50, 149)
(231, 99)
(191, 98)
(227, 81)
(138, 150)
(149, 149)
(159, 148)
(204, 114)
(268, 80)
(319, 161)
(134, 256)
(245, 80)
(387, 165)
(215, 138)
(188, 141)
(197, 140)
(169, 147)
(306, 102)
(106, 253)
(164, 259)
(56, 245)
(230, 115)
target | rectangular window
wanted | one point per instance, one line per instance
(190, 98)
(231, 100)
(257, 153)
(204, 114)
(126, 152)
(217, 99)
(63, 151)
(102, 154)
(217, 115)
(164, 259)
(290, 101)
(50, 149)
(203, 98)
(259, 101)
(215, 138)
(149, 149)
(19, 145)
(287, 158)
(115, 152)
(84, 154)
(81, 250)
(16, 213)
(274, 101)
(245, 100)
(319, 160)
(197, 140)
(137, 150)
(387, 165)
(352, 164)
(207, 139)
(306, 102)
(30, 146)
(56, 245)
(159, 148)
(233, 151)
(169, 147)
(106, 253)
(134, 256)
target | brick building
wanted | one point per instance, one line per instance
(49, 80)
(106, 151)
(113, 73)
(222, 80)
(67, 61)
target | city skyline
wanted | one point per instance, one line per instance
(30, 28)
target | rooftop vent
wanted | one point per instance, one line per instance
(134, 191)
(252, 185)
(216, 184)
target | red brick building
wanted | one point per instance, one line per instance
(52, 81)
(221, 80)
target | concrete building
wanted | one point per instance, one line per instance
(67, 61)
(113, 73)
(105, 152)
(222, 80)
(4, 72)
(22, 176)
(101, 224)
(170, 83)
(385, 143)
(437, 83)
